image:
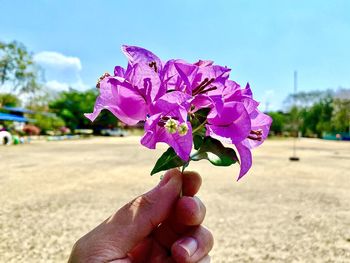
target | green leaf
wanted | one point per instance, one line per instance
(215, 152)
(197, 141)
(198, 121)
(168, 160)
(203, 113)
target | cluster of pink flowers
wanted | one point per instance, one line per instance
(179, 100)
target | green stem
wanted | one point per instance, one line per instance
(184, 166)
(199, 127)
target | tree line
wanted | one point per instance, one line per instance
(314, 113)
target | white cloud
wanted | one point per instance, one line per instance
(61, 71)
(56, 85)
(64, 86)
(58, 60)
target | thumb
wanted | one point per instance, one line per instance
(136, 220)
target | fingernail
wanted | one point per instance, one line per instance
(189, 244)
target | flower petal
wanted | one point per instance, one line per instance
(204, 63)
(232, 92)
(146, 81)
(118, 96)
(231, 125)
(204, 101)
(172, 102)
(245, 159)
(260, 121)
(119, 71)
(182, 145)
(187, 73)
(170, 77)
(141, 55)
(218, 73)
(149, 139)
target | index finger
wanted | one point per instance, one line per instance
(191, 182)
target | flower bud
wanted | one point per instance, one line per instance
(171, 125)
(183, 129)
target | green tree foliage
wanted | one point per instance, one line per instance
(317, 119)
(17, 68)
(279, 120)
(71, 106)
(10, 100)
(314, 113)
(44, 119)
(305, 99)
(48, 122)
(341, 115)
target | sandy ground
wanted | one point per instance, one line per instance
(54, 192)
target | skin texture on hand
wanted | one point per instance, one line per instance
(158, 226)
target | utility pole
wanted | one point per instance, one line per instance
(296, 121)
(267, 104)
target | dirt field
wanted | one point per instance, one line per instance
(54, 192)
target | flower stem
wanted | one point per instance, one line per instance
(183, 168)
(199, 127)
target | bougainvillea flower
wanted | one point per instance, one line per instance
(246, 159)
(208, 79)
(170, 97)
(170, 79)
(116, 95)
(231, 125)
(119, 71)
(168, 123)
(139, 55)
(260, 126)
(204, 63)
(259, 123)
(145, 81)
(201, 101)
(233, 92)
(137, 86)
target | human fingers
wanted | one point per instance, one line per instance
(188, 212)
(191, 182)
(194, 246)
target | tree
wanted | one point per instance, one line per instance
(311, 112)
(278, 124)
(17, 68)
(306, 99)
(71, 106)
(48, 122)
(9, 100)
(44, 119)
(341, 115)
(316, 119)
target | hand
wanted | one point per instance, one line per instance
(159, 226)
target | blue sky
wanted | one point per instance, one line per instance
(263, 42)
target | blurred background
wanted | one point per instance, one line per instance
(60, 174)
